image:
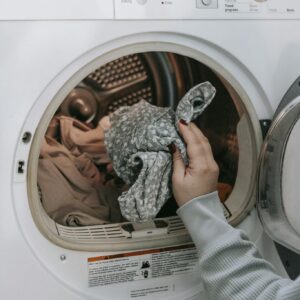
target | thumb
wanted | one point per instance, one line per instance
(178, 164)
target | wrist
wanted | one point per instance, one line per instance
(185, 200)
(202, 198)
(209, 197)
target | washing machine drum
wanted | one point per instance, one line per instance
(125, 81)
(279, 174)
(161, 78)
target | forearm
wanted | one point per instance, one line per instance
(231, 267)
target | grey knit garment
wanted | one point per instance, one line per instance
(137, 144)
(231, 266)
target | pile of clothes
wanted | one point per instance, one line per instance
(73, 190)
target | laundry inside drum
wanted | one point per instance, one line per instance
(76, 181)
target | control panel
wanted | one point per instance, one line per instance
(148, 9)
(207, 9)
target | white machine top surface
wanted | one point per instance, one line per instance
(148, 9)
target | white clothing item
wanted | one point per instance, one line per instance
(231, 267)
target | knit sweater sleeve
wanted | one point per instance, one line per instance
(230, 265)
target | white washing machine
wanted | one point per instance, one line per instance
(249, 49)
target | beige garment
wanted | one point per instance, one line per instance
(79, 138)
(71, 185)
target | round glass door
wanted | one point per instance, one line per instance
(279, 177)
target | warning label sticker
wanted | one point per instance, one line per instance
(141, 265)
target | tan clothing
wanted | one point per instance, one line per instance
(70, 183)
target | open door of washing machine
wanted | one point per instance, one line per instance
(279, 173)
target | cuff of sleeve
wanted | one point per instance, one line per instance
(211, 199)
(204, 219)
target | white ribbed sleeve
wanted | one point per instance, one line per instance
(231, 267)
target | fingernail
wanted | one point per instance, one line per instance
(183, 122)
(172, 148)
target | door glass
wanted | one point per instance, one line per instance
(279, 173)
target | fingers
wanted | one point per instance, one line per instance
(198, 148)
(204, 142)
(187, 133)
(178, 164)
(195, 150)
(196, 130)
(191, 133)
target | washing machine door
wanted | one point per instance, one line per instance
(279, 173)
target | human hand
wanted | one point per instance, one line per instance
(201, 175)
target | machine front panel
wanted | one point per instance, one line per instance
(207, 9)
(149, 9)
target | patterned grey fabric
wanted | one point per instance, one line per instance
(137, 144)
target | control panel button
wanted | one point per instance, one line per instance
(207, 3)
